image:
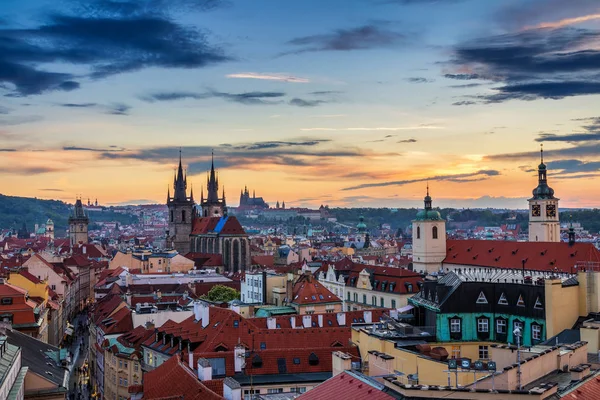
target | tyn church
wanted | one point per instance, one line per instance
(205, 228)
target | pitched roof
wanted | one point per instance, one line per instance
(173, 379)
(226, 225)
(538, 256)
(308, 290)
(589, 390)
(386, 279)
(347, 385)
(25, 274)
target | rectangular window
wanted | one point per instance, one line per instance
(274, 390)
(348, 296)
(483, 325)
(7, 300)
(263, 346)
(455, 325)
(456, 352)
(536, 332)
(355, 297)
(501, 326)
(120, 363)
(218, 366)
(484, 352)
(382, 302)
(393, 303)
(125, 364)
(364, 299)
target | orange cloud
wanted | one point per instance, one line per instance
(564, 22)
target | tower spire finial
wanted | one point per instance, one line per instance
(427, 187)
(542, 152)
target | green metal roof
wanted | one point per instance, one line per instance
(271, 311)
(18, 384)
(122, 349)
(8, 358)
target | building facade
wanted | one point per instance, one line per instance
(429, 238)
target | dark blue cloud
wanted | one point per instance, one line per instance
(360, 38)
(533, 64)
(114, 37)
(459, 178)
(306, 103)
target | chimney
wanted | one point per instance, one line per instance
(197, 311)
(341, 319)
(368, 317)
(232, 390)
(204, 370)
(306, 321)
(271, 323)
(150, 325)
(128, 298)
(239, 354)
(579, 372)
(191, 360)
(320, 318)
(293, 322)
(205, 314)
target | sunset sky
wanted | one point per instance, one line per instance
(349, 103)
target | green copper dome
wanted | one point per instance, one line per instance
(361, 226)
(429, 215)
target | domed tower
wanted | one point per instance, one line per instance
(429, 238)
(361, 227)
(78, 224)
(544, 224)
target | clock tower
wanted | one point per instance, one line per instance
(544, 224)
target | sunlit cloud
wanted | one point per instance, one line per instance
(269, 77)
(564, 22)
(380, 128)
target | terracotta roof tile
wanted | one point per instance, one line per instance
(345, 386)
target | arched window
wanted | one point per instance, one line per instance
(434, 232)
(418, 232)
(182, 215)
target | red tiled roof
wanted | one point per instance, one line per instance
(265, 261)
(589, 390)
(308, 290)
(118, 322)
(173, 379)
(77, 260)
(345, 386)
(396, 278)
(205, 259)
(24, 273)
(539, 256)
(204, 225)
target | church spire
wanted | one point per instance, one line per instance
(191, 191)
(168, 194)
(427, 199)
(542, 191)
(213, 183)
(180, 182)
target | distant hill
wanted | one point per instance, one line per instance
(14, 211)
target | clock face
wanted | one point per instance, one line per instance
(551, 210)
(536, 210)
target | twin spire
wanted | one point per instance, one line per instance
(180, 185)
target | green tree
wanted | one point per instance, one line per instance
(221, 294)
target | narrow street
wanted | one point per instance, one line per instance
(78, 381)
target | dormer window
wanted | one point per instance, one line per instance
(520, 302)
(503, 301)
(538, 304)
(481, 299)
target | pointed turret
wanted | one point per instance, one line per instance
(168, 194)
(191, 192)
(180, 183)
(201, 195)
(542, 191)
(213, 183)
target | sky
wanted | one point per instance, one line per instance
(350, 103)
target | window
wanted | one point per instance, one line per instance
(348, 296)
(53, 287)
(536, 332)
(182, 215)
(538, 304)
(172, 216)
(236, 323)
(364, 299)
(456, 352)
(296, 361)
(518, 324)
(393, 303)
(7, 300)
(120, 381)
(124, 364)
(355, 297)
(481, 299)
(501, 326)
(136, 367)
(125, 382)
(274, 390)
(382, 302)
(302, 389)
(502, 301)
(150, 359)
(374, 300)
(484, 352)
(218, 366)
(313, 359)
(249, 392)
(520, 302)
(409, 287)
(455, 325)
(281, 366)
(483, 325)
(263, 346)
(434, 232)
(418, 232)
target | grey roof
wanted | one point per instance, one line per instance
(567, 336)
(245, 380)
(40, 357)
(9, 357)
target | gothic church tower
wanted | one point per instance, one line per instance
(213, 206)
(78, 225)
(181, 213)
